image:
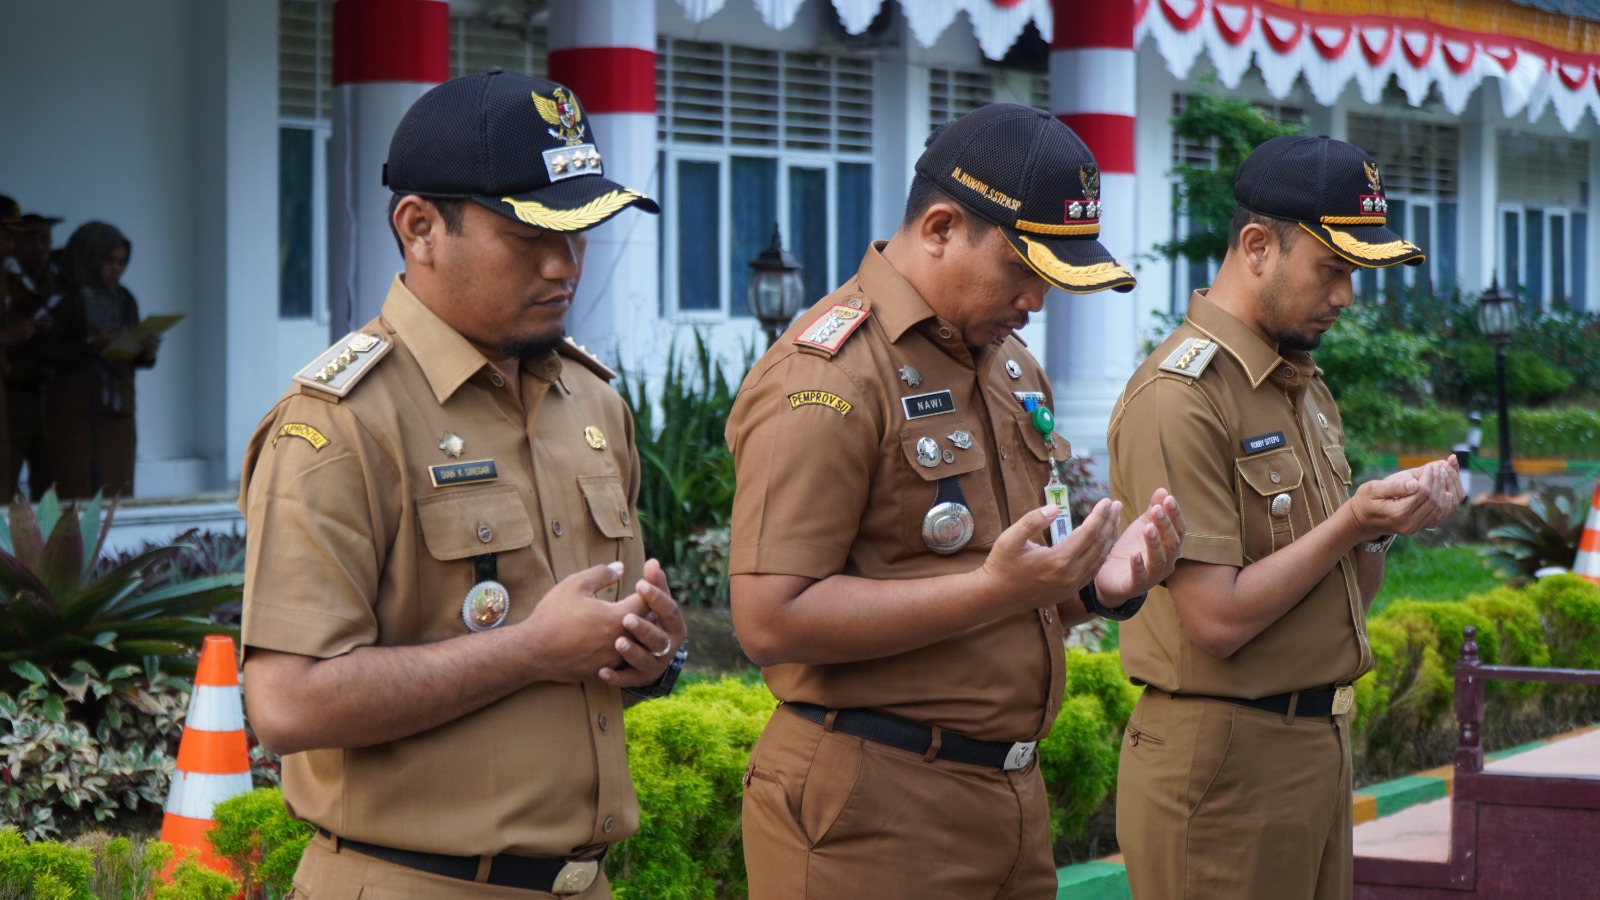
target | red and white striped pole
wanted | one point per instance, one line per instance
(386, 54)
(605, 51)
(1092, 340)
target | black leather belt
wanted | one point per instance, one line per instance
(1312, 703)
(915, 737)
(505, 870)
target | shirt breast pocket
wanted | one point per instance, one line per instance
(459, 526)
(931, 456)
(1271, 495)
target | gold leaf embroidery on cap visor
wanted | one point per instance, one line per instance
(597, 210)
(1356, 247)
(1099, 275)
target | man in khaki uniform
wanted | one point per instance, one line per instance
(889, 564)
(1235, 774)
(445, 591)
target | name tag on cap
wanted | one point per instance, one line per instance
(936, 403)
(1262, 442)
(463, 473)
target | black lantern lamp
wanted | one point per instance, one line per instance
(776, 292)
(1497, 319)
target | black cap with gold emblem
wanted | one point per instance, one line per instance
(1333, 189)
(1025, 171)
(518, 145)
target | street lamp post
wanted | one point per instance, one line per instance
(1497, 318)
(776, 291)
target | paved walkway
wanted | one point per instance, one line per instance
(1422, 832)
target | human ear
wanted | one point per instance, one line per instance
(1256, 243)
(415, 221)
(937, 227)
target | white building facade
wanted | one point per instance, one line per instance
(236, 143)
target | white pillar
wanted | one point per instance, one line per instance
(1094, 347)
(605, 51)
(386, 54)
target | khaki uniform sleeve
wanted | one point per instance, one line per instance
(1168, 434)
(804, 468)
(320, 521)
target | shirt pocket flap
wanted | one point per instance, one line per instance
(465, 523)
(608, 506)
(961, 461)
(1272, 472)
(1336, 459)
(1029, 436)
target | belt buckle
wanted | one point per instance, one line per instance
(576, 876)
(1020, 755)
(1344, 699)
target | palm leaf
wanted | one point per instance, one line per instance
(61, 562)
(26, 539)
(91, 527)
(16, 577)
(49, 511)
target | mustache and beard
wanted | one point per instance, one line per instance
(529, 350)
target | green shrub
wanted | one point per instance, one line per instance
(1529, 379)
(192, 881)
(1570, 605)
(57, 610)
(1078, 759)
(256, 833)
(687, 754)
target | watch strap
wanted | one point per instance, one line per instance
(1090, 597)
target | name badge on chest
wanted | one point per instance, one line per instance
(463, 473)
(1262, 442)
(936, 403)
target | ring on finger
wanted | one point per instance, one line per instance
(663, 651)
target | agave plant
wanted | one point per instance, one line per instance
(57, 608)
(1543, 533)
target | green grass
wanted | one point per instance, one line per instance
(1433, 573)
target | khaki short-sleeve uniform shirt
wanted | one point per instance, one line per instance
(829, 482)
(1250, 442)
(365, 532)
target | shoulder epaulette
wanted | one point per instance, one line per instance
(827, 332)
(1191, 357)
(337, 369)
(570, 349)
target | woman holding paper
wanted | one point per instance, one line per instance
(90, 401)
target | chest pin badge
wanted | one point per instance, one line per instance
(961, 439)
(927, 452)
(485, 606)
(910, 375)
(452, 444)
(594, 437)
(1322, 420)
(1014, 369)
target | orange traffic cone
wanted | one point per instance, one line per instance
(213, 758)
(1588, 562)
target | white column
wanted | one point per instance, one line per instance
(604, 50)
(1094, 347)
(387, 53)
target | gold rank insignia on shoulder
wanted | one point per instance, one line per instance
(578, 353)
(337, 369)
(1191, 357)
(303, 431)
(828, 331)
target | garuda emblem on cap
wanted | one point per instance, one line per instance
(1089, 207)
(1374, 202)
(562, 111)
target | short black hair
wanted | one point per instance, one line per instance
(1285, 231)
(924, 194)
(451, 210)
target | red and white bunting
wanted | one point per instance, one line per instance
(995, 23)
(1331, 50)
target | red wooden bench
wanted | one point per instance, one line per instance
(1512, 835)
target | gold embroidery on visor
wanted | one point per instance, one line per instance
(1090, 228)
(1357, 247)
(1099, 275)
(1353, 220)
(540, 216)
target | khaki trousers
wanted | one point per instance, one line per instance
(1219, 800)
(327, 873)
(828, 816)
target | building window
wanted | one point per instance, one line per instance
(752, 139)
(1544, 220)
(1418, 166)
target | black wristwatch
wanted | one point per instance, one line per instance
(662, 686)
(1091, 602)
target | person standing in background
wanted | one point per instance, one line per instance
(34, 287)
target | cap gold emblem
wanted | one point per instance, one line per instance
(594, 437)
(562, 111)
(452, 444)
